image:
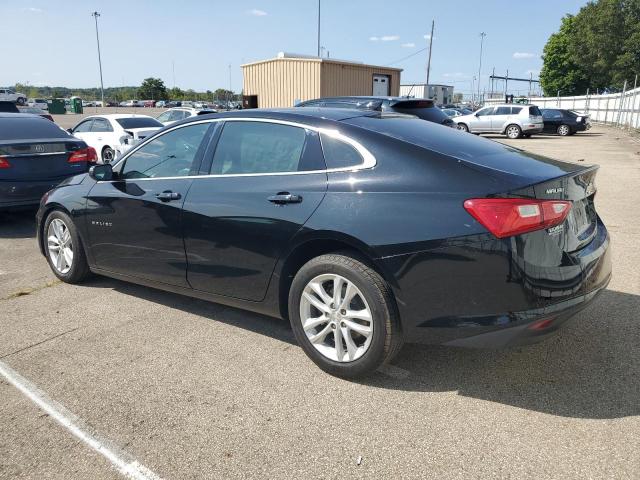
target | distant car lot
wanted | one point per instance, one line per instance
(193, 389)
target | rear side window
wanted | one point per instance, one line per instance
(535, 111)
(516, 110)
(21, 128)
(339, 154)
(503, 111)
(101, 125)
(258, 147)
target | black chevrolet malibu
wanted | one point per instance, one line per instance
(36, 155)
(364, 229)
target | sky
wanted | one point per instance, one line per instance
(53, 42)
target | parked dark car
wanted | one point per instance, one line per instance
(564, 122)
(364, 229)
(36, 111)
(422, 108)
(8, 107)
(35, 156)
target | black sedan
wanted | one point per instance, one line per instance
(36, 155)
(364, 229)
(423, 108)
(564, 122)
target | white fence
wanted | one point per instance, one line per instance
(621, 109)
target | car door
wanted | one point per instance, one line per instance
(552, 120)
(102, 134)
(135, 220)
(499, 118)
(481, 121)
(83, 131)
(266, 180)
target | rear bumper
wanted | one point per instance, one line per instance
(24, 194)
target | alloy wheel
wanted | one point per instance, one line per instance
(336, 318)
(463, 127)
(513, 131)
(563, 130)
(60, 246)
(107, 155)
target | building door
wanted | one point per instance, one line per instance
(381, 85)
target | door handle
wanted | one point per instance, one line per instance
(168, 195)
(284, 197)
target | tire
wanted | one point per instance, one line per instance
(21, 101)
(108, 154)
(463, 127)
(371, 297)
(563, 130)
(513, 131)
(79, 268)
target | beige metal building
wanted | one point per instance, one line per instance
(286, 79)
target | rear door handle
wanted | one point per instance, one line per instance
(168, 195)
(284, 197)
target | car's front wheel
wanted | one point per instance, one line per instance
(513, 131)
(344, 316)
(64, 249)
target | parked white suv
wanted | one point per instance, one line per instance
(512, 120)
(8, 95)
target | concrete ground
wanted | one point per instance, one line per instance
(196, 390)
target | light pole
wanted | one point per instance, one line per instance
(95, 15)
(482, 35)
(318, 28)
(230, 91)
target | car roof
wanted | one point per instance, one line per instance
(19, 115)
(115, 116)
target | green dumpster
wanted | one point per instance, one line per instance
(76, 105)
(56, 106)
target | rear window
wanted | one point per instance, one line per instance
(137, 122)
(25, 128)
(535, 111)
(432, 114)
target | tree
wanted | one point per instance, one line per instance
(559, 71)
(222, 94)
(176, 94)
(152, 88)
(597, 48)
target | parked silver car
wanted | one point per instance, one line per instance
(514, 121)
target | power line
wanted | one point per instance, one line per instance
(407, 57)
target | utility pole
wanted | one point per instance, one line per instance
(229, 96)
(95, 15)
(318, 28)
(482, 35)
(433, 22)
(173, 69)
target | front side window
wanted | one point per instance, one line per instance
(484, 111)
(169, 155)
(83, 127)
(258, 147)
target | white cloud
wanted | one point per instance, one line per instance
(390, 38)
(257, 13)
(408, 45)
(374, 39)
(427, 36)
(33, 9)
(523, 55)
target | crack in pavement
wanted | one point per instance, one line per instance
(29, 290)
(38, 343)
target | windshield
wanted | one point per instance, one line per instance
(138, 122)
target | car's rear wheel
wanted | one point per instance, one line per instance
(463, 127)
(21, 101)
(63, 248)
(513, 131)
(344, 316)
(564, 130)
(108, 154)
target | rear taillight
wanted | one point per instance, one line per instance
(84, 155)
(505, 217)
(4, 163)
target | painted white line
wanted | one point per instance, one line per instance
(122, 461)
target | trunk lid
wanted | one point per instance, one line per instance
(40, 159)
(580, 226)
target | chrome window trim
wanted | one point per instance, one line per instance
(369, 161)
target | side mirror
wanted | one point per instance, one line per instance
(70, 130)
(101, 173)
(476, 114)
